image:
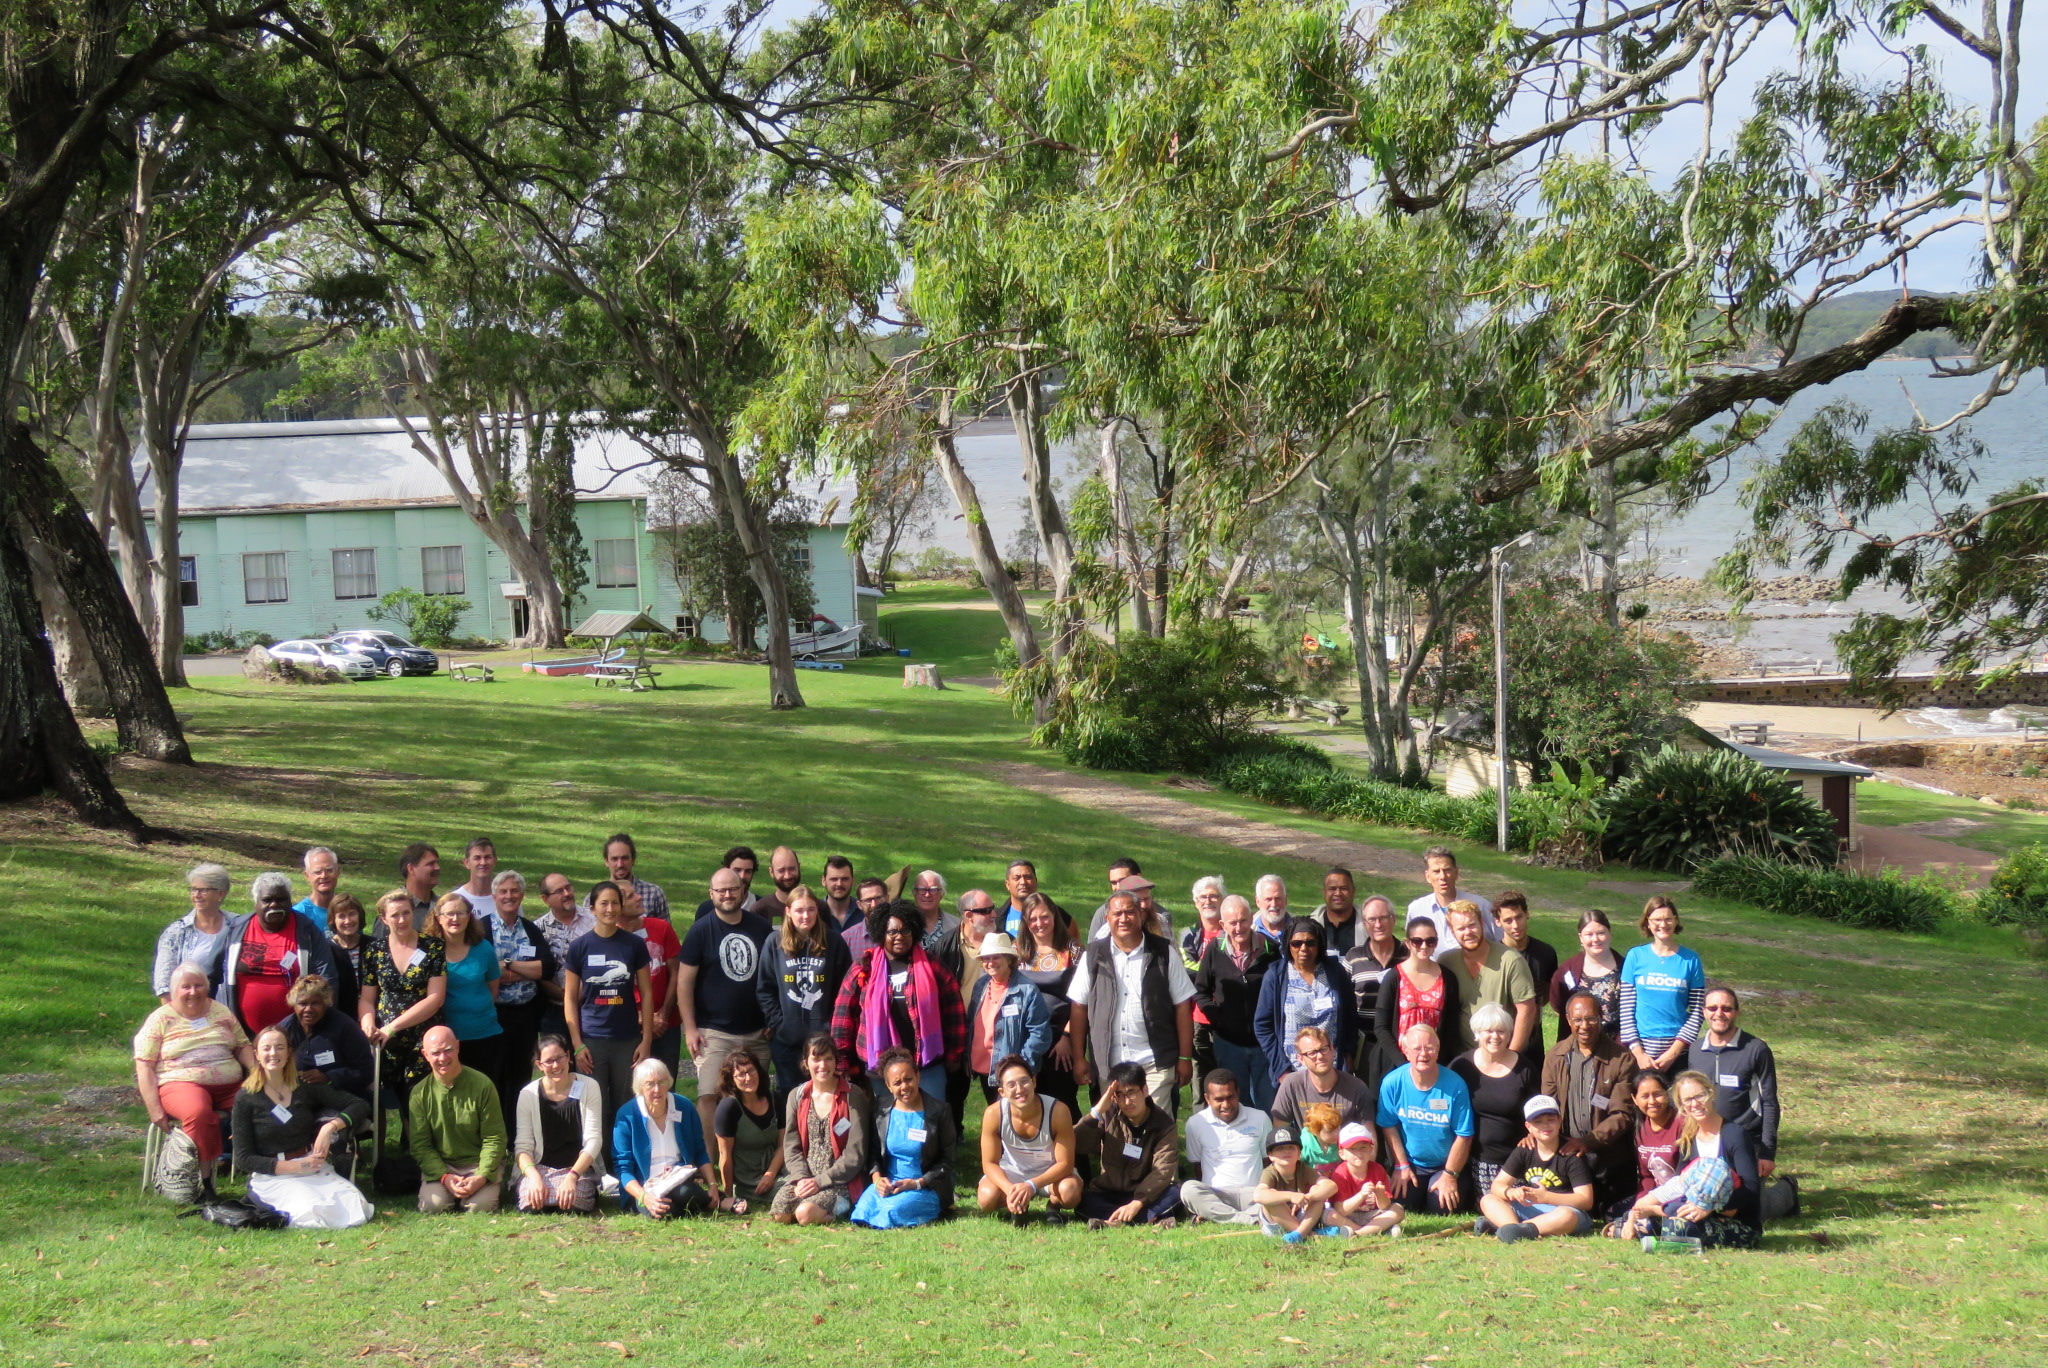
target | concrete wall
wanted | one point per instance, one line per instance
(1919, 690)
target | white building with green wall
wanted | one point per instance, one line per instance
(296, 529)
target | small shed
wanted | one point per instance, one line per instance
(1831, 783)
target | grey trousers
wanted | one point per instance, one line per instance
(1224, 1206)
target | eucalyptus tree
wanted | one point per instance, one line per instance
(73, 76)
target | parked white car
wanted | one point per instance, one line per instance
(319, 651)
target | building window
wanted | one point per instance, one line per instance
(355, 573)
(801, 554)
(616, 565)
(188, 581)
(686, 626)
(441, 570)
(263, 578)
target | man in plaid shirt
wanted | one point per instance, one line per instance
(619, 856)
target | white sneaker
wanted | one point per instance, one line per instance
(1394, 1232)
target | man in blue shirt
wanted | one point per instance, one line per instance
(1425, 1115)
(323, 872)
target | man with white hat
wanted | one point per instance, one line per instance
(1540, 1190)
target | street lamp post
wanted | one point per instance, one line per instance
(1502, 772)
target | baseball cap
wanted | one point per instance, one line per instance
(1354, 1133)
(1281, 1136)
(1540, 1105)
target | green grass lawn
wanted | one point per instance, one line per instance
(1914, 1077)
(1998, 829)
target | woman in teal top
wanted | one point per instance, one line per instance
(913, 1183)
(1663, 992)
(473, 975)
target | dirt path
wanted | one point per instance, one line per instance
(1189, 819)
(1915, 854)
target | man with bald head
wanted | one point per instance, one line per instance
(715, 995)
(458, 1131)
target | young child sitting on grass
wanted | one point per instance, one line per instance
(1361, 1202)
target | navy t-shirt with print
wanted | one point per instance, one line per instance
(608, 965)
(725, 956)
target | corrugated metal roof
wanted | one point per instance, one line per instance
(371, 463)
(1796, 764)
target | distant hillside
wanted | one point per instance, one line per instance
(1842, 318)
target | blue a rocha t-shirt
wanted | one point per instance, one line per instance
(1663, 987)
(1431, 1119)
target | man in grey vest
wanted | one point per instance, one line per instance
(1133, 1004)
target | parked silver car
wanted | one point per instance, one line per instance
(320, 651)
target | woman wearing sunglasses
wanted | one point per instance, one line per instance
(1308, 989)
(1415, 992)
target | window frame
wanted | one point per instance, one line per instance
(188, 581)
(598, 568)
(353, 575)
(282, 578)
(460, 573)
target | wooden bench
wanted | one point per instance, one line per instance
(1750, 733)
(1331, 711)
(635, 678)
(472, 673)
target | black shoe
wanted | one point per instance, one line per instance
(1056, 1218)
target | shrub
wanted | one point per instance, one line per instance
(1295, 774)
(1681, 808)
(425, 619)
(1882, 902)
(1151, 703)
(2018, 892)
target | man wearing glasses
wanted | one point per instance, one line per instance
(928, 891)
(1319, 1080)
(1368, 962)
(1745, 1075)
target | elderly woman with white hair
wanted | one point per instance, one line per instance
(658, 1148)
(190, 1057)
(1499, 1081)
(196, 937)
(267, 952)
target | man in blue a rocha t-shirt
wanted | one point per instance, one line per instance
(1425, 1116)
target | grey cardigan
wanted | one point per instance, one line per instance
(850, 1169)
(526, 1120)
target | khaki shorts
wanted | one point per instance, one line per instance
(719, 1047)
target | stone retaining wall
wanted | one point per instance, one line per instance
(1920, 691)
(1975, 757)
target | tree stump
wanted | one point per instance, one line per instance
(922, 677)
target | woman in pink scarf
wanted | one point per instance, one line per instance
(897, 996)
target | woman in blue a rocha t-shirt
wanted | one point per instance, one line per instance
(473, 975)
(1663, 991)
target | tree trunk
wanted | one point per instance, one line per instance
(77, 671)
(981, 543)
(169, 635)
(1027, 412)
(546, 624)
(1162, 555)
(41, 746)
(149, 726)
(749, 520)
(1123, 538)
(1240, 566)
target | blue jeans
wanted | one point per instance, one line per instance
(1421, 1199)
(1254, 1075)
(1529, 1211)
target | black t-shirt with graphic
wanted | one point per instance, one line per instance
(1559, 1173)
(726, 956)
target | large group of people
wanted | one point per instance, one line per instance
(1339, 1069)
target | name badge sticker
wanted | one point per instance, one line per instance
(842, 1126)
(282, 1113)
(419, 957)
(324, 1058)
(288, 961)
(1731, 1080)
(1011, 1009)
(1439, 1104)
(1601, 1102)
(1133, 1152)
(916, 1134)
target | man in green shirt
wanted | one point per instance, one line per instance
(458, 1131)
(1487, 971)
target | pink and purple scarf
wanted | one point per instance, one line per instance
(878, 1024)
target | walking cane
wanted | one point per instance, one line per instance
(377, 1092)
